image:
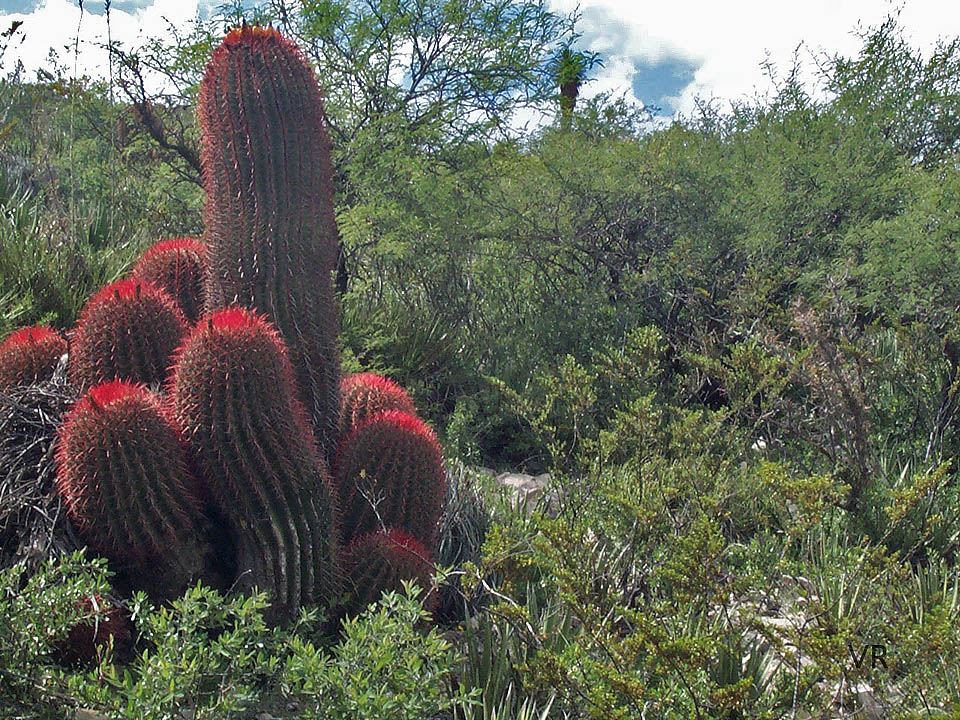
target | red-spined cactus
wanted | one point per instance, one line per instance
(233, 390)
(128, 330)
(389, 473)
(30, 355)
(269, 218)
(124, 476)
(103, 622)
(366, 394)
(380, 561)
(179, 266)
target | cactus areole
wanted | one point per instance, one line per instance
(270, 227)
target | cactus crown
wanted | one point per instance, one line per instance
(366, 394)
(406, 423)
(29, 336)
(108, 393)
(126, 289)
(173, 245)
(253, 34)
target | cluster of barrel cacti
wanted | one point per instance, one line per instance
(214, 438)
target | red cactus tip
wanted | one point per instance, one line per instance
(249, 34)
(129, 288)
(105, 393)
(405, 540)
(373, 381)
(402, 420)
(235, 318)
(172, 245)
(29, 336)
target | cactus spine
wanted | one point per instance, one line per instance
(389, 473)
(179, 266)
(30, 355)
(233, 390)
(366, 394)
(128, 331)
(124, 476)
(269, 216)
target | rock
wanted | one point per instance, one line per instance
(528, 490)
(84, 714)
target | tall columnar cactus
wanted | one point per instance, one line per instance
(30, 355)
(129, 330)
(366, 394)
(380, 561)
(179, 266)
(269, 216)
(124, 477)
(233, 390)
(389, 473)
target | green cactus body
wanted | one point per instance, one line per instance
(389, 473)
(380, 561)
(233, 390)
(30, 355)
(123, 473)
(128, 330)
(179, 266)
(366, 394)
(269, 218)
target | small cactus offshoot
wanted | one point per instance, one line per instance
(366, 394)
(381, 561)
(30, 355)
(179, 266)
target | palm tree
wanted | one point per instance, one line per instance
(569, 68)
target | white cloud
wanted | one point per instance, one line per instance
(59, 23)
(729, 41)
(726, 42)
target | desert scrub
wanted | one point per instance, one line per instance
(37, 611)
(384, 667)
(214, 656)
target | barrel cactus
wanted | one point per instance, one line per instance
(389, 474)
(366, 394)
(269, 215)
(232, 388)
(30, 355)
(128, 331)
(124, 476)
(381, 561)
(103, 624)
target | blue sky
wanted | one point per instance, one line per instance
(666, 54)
